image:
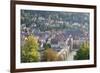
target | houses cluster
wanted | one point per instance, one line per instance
(54, 37)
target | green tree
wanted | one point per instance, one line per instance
(29, 52)
(83, 52)
(46, 46)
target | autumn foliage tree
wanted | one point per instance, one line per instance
(29, 52)
(50, 54)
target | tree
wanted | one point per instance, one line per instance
(50, 55)
(29, 52)
(83, 52)
(46, 46)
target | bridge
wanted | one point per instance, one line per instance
(67, 52)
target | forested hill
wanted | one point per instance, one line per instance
(54, 19)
